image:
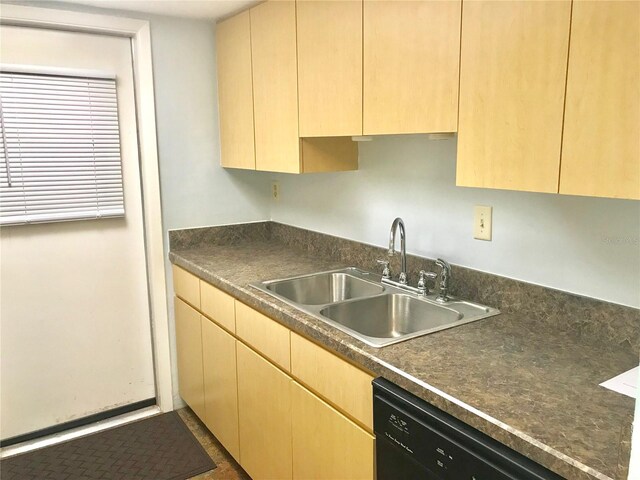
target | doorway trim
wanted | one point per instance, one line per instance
(140, 34)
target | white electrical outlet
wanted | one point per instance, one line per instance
(275, 191)
(482, 222)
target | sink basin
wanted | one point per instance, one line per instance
(390, 316)
(355, 301)
(323, 288)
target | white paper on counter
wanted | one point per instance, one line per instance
(625, 383)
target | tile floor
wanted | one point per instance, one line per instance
(227, 468)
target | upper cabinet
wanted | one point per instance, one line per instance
(601, 142)
(382, 67)
(330, 67)
(258, 93)
(411, 60)
(235, 92)
(544, 95)
(512, 79)
(275, 86)
(518, 129)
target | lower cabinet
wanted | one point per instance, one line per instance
(284, 407)
(326, 444)
(220, 385)
(264, 406)
(189, 349)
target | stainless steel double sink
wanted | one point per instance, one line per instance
(357, 303)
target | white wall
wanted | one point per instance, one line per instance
(589, 246)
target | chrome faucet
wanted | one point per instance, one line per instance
(402, 279)
(422, 288)
(445, 276)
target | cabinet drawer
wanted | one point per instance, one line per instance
(341, 383)
(265, 335)
(186, 286)
(218, 306)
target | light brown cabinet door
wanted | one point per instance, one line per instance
(235, 92)
(601, 142)
(327, 445)
(275, 86)
(264, 407)
(189, 349)
(512, 80)
(411, 58)
(220, 385)
(330, 67)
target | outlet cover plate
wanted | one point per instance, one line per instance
(482, 222)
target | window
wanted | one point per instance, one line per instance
(60, 152)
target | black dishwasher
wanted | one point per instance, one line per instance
(415, 440)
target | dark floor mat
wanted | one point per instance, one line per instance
(157, 448)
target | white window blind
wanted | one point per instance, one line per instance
(60, 152)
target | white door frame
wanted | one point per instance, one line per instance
(139, 32)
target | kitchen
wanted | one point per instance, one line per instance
(582, 245)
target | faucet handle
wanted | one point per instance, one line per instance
(386, 273)
(422, 281)
(445, 276)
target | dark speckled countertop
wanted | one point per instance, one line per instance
(522, 381)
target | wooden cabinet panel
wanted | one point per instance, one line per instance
(218, 306)
(220, 385)
(235, 92)
(330, 67)
(189, 350)
(275, 86)
(327, 445)
(186, 286)
(264, 405)
(512, 80)
(265, 335)
(411, 59)
(601, 142)
(341, 383)
(329, 154)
